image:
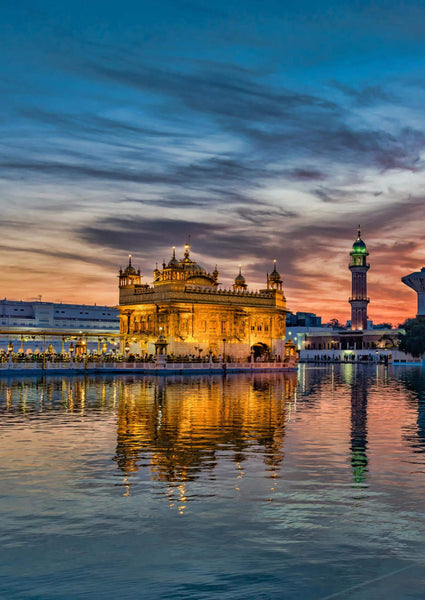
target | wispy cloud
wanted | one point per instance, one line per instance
(269, 139)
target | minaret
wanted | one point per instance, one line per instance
(359, 268)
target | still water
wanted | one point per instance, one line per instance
(265, 486)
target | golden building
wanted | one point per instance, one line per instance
(185, 304)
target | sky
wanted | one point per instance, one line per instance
(264, 130)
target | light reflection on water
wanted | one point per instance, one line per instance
(249, 486)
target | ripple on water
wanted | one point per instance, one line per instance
(249, 486)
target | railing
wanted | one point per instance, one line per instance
(139, 366)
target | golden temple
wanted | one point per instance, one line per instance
(185, 304)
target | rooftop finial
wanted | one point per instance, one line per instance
(358, 232)
(174, 252)
(240, 269)
(186, 249)
(129, 260)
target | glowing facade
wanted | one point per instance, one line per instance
(359, 268)
(186, 305)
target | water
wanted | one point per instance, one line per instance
(265, 486)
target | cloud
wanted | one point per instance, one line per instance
(306, 174)
(149, 139)
(366, 95)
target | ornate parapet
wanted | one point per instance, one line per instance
(200, 295)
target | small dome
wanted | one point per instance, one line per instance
(275, 275)
(129, 270)
(173, 262)
(359, 247)
(240, 279)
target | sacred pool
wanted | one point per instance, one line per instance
(307, 485)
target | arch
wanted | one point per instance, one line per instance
(260, 350)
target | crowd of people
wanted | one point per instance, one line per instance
(52, 357)
(368, 358)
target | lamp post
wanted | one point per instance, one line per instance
(44, 352)
(224, 349)
(71, 353)
(9, 351)
(85, 351)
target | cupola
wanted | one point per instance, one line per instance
(359, 247)
(129, 276)
(274, 280)
(240, 283)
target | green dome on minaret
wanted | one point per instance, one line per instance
(359, 247)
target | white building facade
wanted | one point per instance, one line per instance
(36, 326)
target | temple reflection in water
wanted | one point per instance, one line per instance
(177, 431)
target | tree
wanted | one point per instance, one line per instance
(387, 341)
(413, 341)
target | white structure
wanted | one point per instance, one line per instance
(24, 324)
(324, 344)
(416, 281)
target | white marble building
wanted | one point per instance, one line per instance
(26, 326)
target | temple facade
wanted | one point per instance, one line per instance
(187, 306)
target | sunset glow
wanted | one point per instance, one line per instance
(262, 131)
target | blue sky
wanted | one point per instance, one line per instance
(262, 129)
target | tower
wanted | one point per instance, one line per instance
(129, 276)
(416, 281)
(359, 268)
